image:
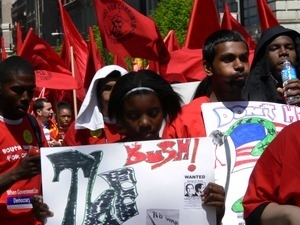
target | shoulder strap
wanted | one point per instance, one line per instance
(36, 129)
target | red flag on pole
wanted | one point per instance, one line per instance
(120, 61)
(172, 44)
(266, 16)
(204, 21)
(185, 66)
(171, 41)
(126, 32)
(94, 51)
(73, 38)
(95, 61)
(48, 65)
(3, 50)
(19, 41)
(230, 23)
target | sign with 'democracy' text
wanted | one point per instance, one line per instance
(241, 132)
(150, 182)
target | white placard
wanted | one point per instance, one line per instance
(128, 183)
(246, 128)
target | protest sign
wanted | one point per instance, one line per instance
(241, 132)
(150, 182)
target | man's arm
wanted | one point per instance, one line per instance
(29, 167)
(276, 214)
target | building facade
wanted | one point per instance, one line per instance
(287, 13)
(6, 24)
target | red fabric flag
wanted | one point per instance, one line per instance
(54, 80)
(42, 56)
(172, 44)
(230, 23)
(153, 65)
(171, 41)
(95, 61)
(185, 66)
(19, 38)
(126, 32)
(3, 50)
(266, 16)
(203, 22)
(120, 61)
(80, 49)
(95, 52)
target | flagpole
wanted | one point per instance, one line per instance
(73, 75)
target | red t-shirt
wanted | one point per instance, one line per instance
(275, 177)
(15, 139)
(75, 137)
(189, 123)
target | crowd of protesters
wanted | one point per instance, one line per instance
(123, 106)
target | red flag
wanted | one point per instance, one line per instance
(19, 39)
(42, 56)
(230, 23)
(171, 41)
(153, 65)
(172, 44)
(3, 50)
(54, 80)
(185, 66)
(120, 61)
(94, 51)
(203, 22)
(266, 17)
(95, 61)
(126, 32)
(80, 49)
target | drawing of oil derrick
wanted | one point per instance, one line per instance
(113, 206)
(71, 160)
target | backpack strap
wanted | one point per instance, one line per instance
(36, 129)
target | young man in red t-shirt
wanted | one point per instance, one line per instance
(19, 171)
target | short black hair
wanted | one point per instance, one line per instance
(218, 37)
(39, 104)
(198, 186)
(14, 65)
(170, 100)
(63, 105)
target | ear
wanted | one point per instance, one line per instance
(207, 68)
(38, 112)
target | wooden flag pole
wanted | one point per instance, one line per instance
(73, 75)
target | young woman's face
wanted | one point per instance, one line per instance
(142, 117)
(104, 95)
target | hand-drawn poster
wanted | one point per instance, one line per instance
(145, 183)
(241, 132)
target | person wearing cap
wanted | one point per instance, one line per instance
(92, 125)
(264, 83)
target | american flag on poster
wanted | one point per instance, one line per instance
(241, 131)
(244, 159)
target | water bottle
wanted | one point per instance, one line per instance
(288, 72)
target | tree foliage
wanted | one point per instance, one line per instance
(173, 15)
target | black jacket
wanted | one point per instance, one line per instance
(260, 84)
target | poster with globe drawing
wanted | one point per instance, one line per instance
(241, 132)
(148, 182)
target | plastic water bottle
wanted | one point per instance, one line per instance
(288, 72)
